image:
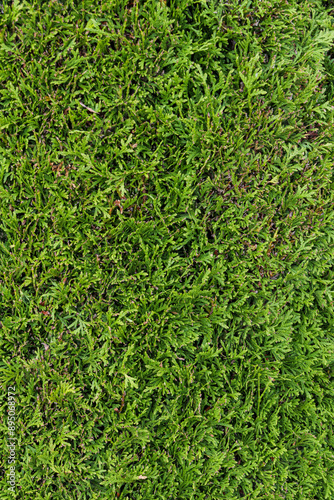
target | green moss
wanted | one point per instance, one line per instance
(166, 249)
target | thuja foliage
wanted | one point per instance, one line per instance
(166, 237)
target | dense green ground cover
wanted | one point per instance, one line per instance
(166, 237)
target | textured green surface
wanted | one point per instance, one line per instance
(166, 249)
